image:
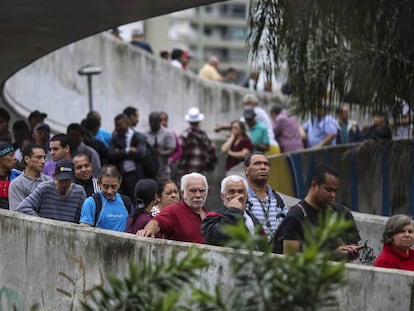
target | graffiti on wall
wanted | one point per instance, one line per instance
(366, 254)
(9, 300)
(77, 290)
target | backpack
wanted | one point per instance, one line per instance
(149, 162)
(98, 205)
(279, 201)
(278, 238)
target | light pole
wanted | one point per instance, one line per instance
(89, 71)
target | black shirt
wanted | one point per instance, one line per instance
(291, 227)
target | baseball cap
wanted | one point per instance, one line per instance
(249, 114)
(37, 113)
(64, 169)
(5, 148)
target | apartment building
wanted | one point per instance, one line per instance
(219, 29)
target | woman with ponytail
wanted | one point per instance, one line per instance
(146, 194)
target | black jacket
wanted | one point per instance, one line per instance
(215, 220)
(145, 158)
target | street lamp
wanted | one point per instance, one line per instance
(89, 71)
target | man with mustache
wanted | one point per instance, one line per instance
(181, 221)
(268, 206)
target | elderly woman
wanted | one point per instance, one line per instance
(398, 237)
(167, 194)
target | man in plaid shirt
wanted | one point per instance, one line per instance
(199, 153)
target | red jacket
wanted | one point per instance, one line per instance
(394, 258)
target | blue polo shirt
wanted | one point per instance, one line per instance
(317, 130)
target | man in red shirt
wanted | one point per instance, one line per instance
(182, 221)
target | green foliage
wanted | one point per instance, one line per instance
(304, 281)
(158, 286)
(361, 51)
(261, 281)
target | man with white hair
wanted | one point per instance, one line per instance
(210, 70)
(181, 221)
(234, 195)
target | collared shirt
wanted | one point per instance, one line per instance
(22, 186)
(198, 151)
(180, 223)
(317, 130)
(267, 211)
(165, 140)
(258, 134)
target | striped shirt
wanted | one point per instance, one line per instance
(45, 201)
(267, 211)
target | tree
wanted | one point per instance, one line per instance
(262, 280)
(356, 51)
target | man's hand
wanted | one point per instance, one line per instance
(350, 252)
(145, 233)
(236, 202)
(150, 229)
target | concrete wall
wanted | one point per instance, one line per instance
(54, 264)
(130, 77)
(375, 177)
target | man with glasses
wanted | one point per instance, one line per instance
(320, 197)
(182, 221)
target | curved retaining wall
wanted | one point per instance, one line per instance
(375, 178)
(54, 264)
(130, 77)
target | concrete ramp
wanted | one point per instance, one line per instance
(130, 77)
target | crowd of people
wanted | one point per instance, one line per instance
(153, 183)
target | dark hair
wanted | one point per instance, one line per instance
(276, 109)
(249, 157)
(75, 127)
(394, 225)
(62, 138)
(91, 124)
(242, 127)
(4, 114)
(121, 116)
(93, 114)
(162, 184)
(144, 192)
(176, 53)
(28, 149)
(20, 125)
(155, 115)
(319, 174)
(164, 54)
(82, 154)
(128, 111)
